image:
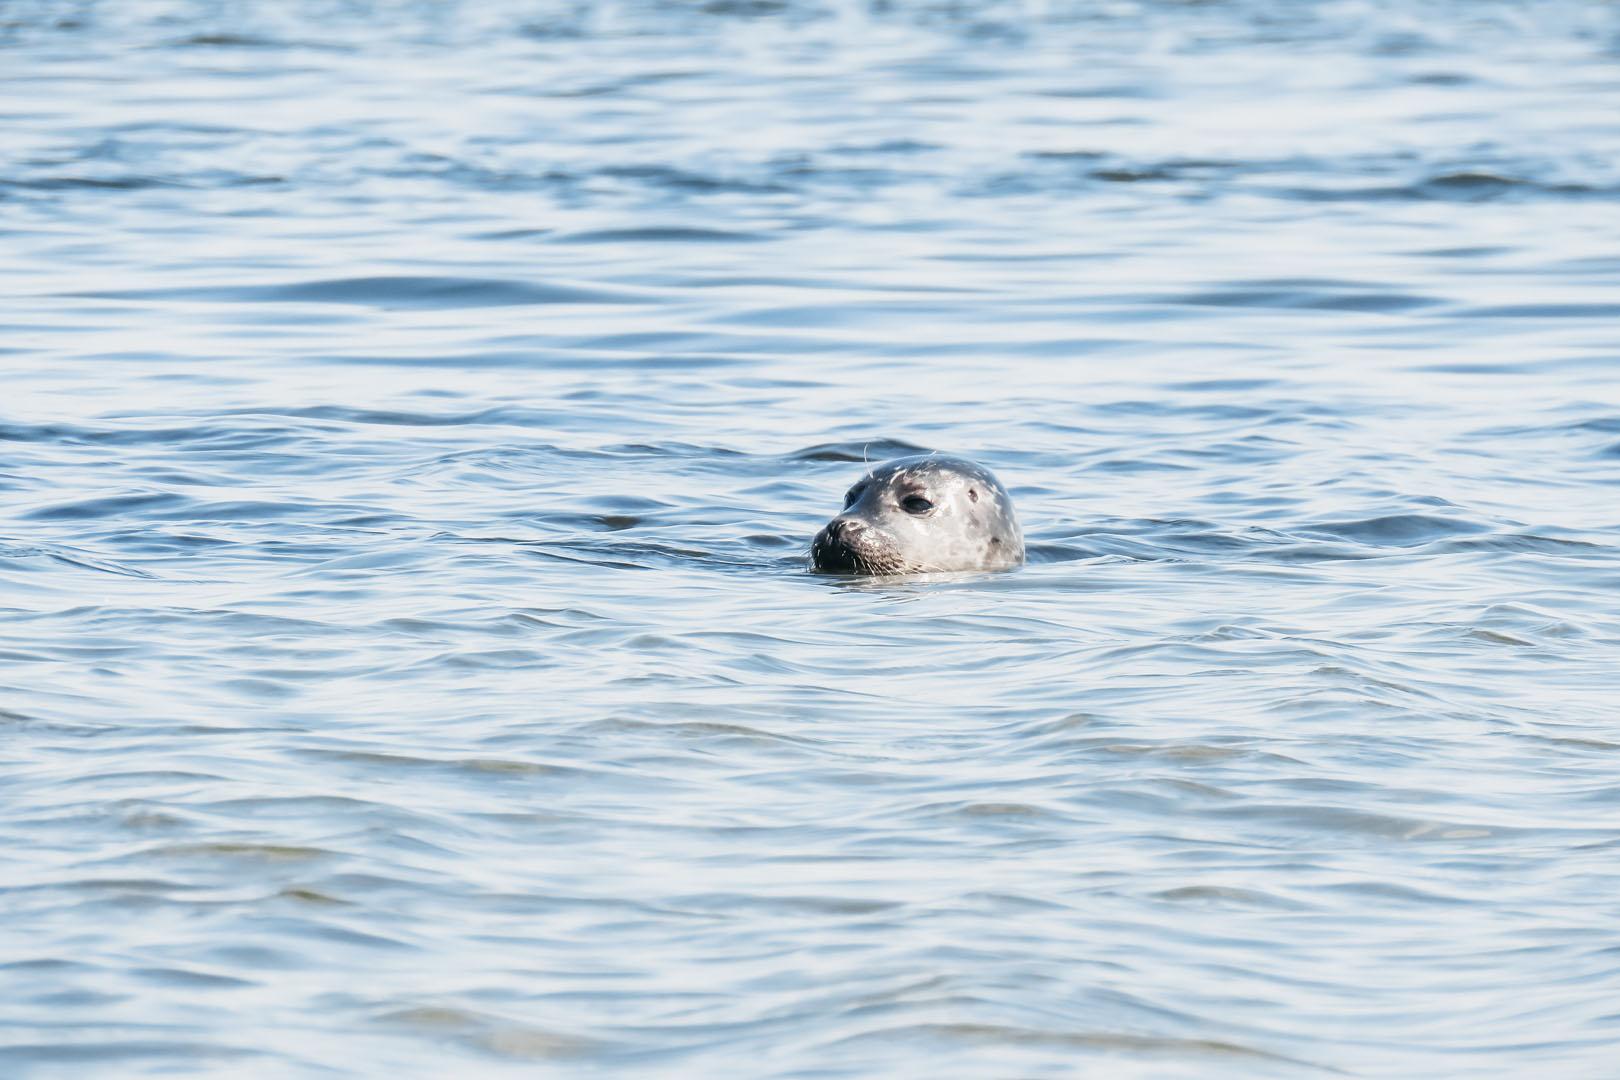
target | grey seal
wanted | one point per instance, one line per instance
(918, 515)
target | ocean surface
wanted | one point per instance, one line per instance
(414, 415)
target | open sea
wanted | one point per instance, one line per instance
(414, 415)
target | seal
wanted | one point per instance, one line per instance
(919, 515)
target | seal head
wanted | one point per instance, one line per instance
(919, 515)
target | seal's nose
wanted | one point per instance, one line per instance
(844, 530)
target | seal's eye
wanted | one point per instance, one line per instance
(916, 504)
(853, 494)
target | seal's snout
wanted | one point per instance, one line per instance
(831, 550)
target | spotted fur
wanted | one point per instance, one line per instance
(968, 524)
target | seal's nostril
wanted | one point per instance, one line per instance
(835, 528)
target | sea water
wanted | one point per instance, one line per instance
(413, 418)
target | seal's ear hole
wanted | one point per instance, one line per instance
(973, 495)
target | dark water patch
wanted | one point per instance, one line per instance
(250, 852)
(109, 1052)
(1358, 826)
(227, 40)
(514, 234)
(812, 906)
(1475, 251)
(890, 146)
(188, 977)
(1396, 530)
(219, 437)
(1460, 187)
(1604, 425)
(1496, 368)
(1308, 179)
(643, 554)
(682, 180)
(1475, 184)
(1444, 78)
(1530, 543)
(705, 732)
(866, 452)
(19, 556)
(1121, 174)
(109, 506)
(494, 1035)
(489, 767)
(986, 813)
(1546, 311)
(87, 183)
(599, 522)
(749, 8)
(1151, 540)
(697, 453)
(1301, 295)
(1076, 1041)
(668, 234)
(1039, 552)
(591, 354)
(1118, 91)
(499, 416)
(398, 292)
(1596, 265)
(555, 29)
(1222, 385)
(1080, 156)
(183, 509)
(1130, 465)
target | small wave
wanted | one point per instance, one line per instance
(15, 554)
(1453, 186)
(215, 436)
(1302, 295)
(88, 183)
(1396, 530)
(388, 292)
(107, 506)
(226, 40)
(490, 1034)
(675, 179)
(114, 1053)
(668, 234)
(268, 853)
(1545, 311)
(1112, 1042)
(873, 451)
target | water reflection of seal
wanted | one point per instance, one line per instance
(917, 515)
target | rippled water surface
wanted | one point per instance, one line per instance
(414, 420)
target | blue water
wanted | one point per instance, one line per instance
(415, 416)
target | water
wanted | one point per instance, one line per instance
(415, 416)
